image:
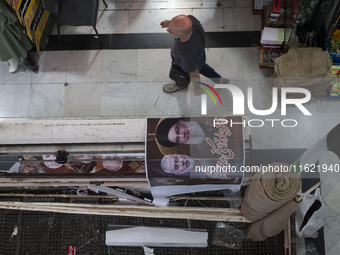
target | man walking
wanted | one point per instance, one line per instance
(188, 51)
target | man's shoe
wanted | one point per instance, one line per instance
(30, 62)
(34, 67)
(221, 80)
(172, 87)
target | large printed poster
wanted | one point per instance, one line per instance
(192, 154)
(33, 17)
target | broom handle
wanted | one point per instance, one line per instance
(307, 192)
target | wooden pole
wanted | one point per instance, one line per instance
(207, 198)
(114, 197)
(299, 198)
(74, 179)
(56, 195)
(74, 183)
(193, 213)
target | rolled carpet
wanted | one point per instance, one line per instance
(269, 191)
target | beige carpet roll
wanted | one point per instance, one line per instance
(269, 191)
(308, 67)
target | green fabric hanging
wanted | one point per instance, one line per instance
(13, 42)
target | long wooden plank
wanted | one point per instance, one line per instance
(74, 183)
(209, 214)
(207, 198)
(72, 131)
(74, 179)
(72, 148)
(127, 207)
(55, 195)
(112, 196)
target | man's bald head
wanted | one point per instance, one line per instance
(180, 25)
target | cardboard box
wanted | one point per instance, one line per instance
(268, 22)
(258, 6)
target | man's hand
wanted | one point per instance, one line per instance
(195, 74)
(195, 78)
(165, 23)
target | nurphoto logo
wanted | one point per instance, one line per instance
(204, 97)
(238, 99)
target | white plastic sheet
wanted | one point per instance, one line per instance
(316, 221)
(156, 237)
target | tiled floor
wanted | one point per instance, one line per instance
(128, 83)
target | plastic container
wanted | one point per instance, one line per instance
(329, 94)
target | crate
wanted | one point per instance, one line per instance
(335, 57)
(266, 57)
